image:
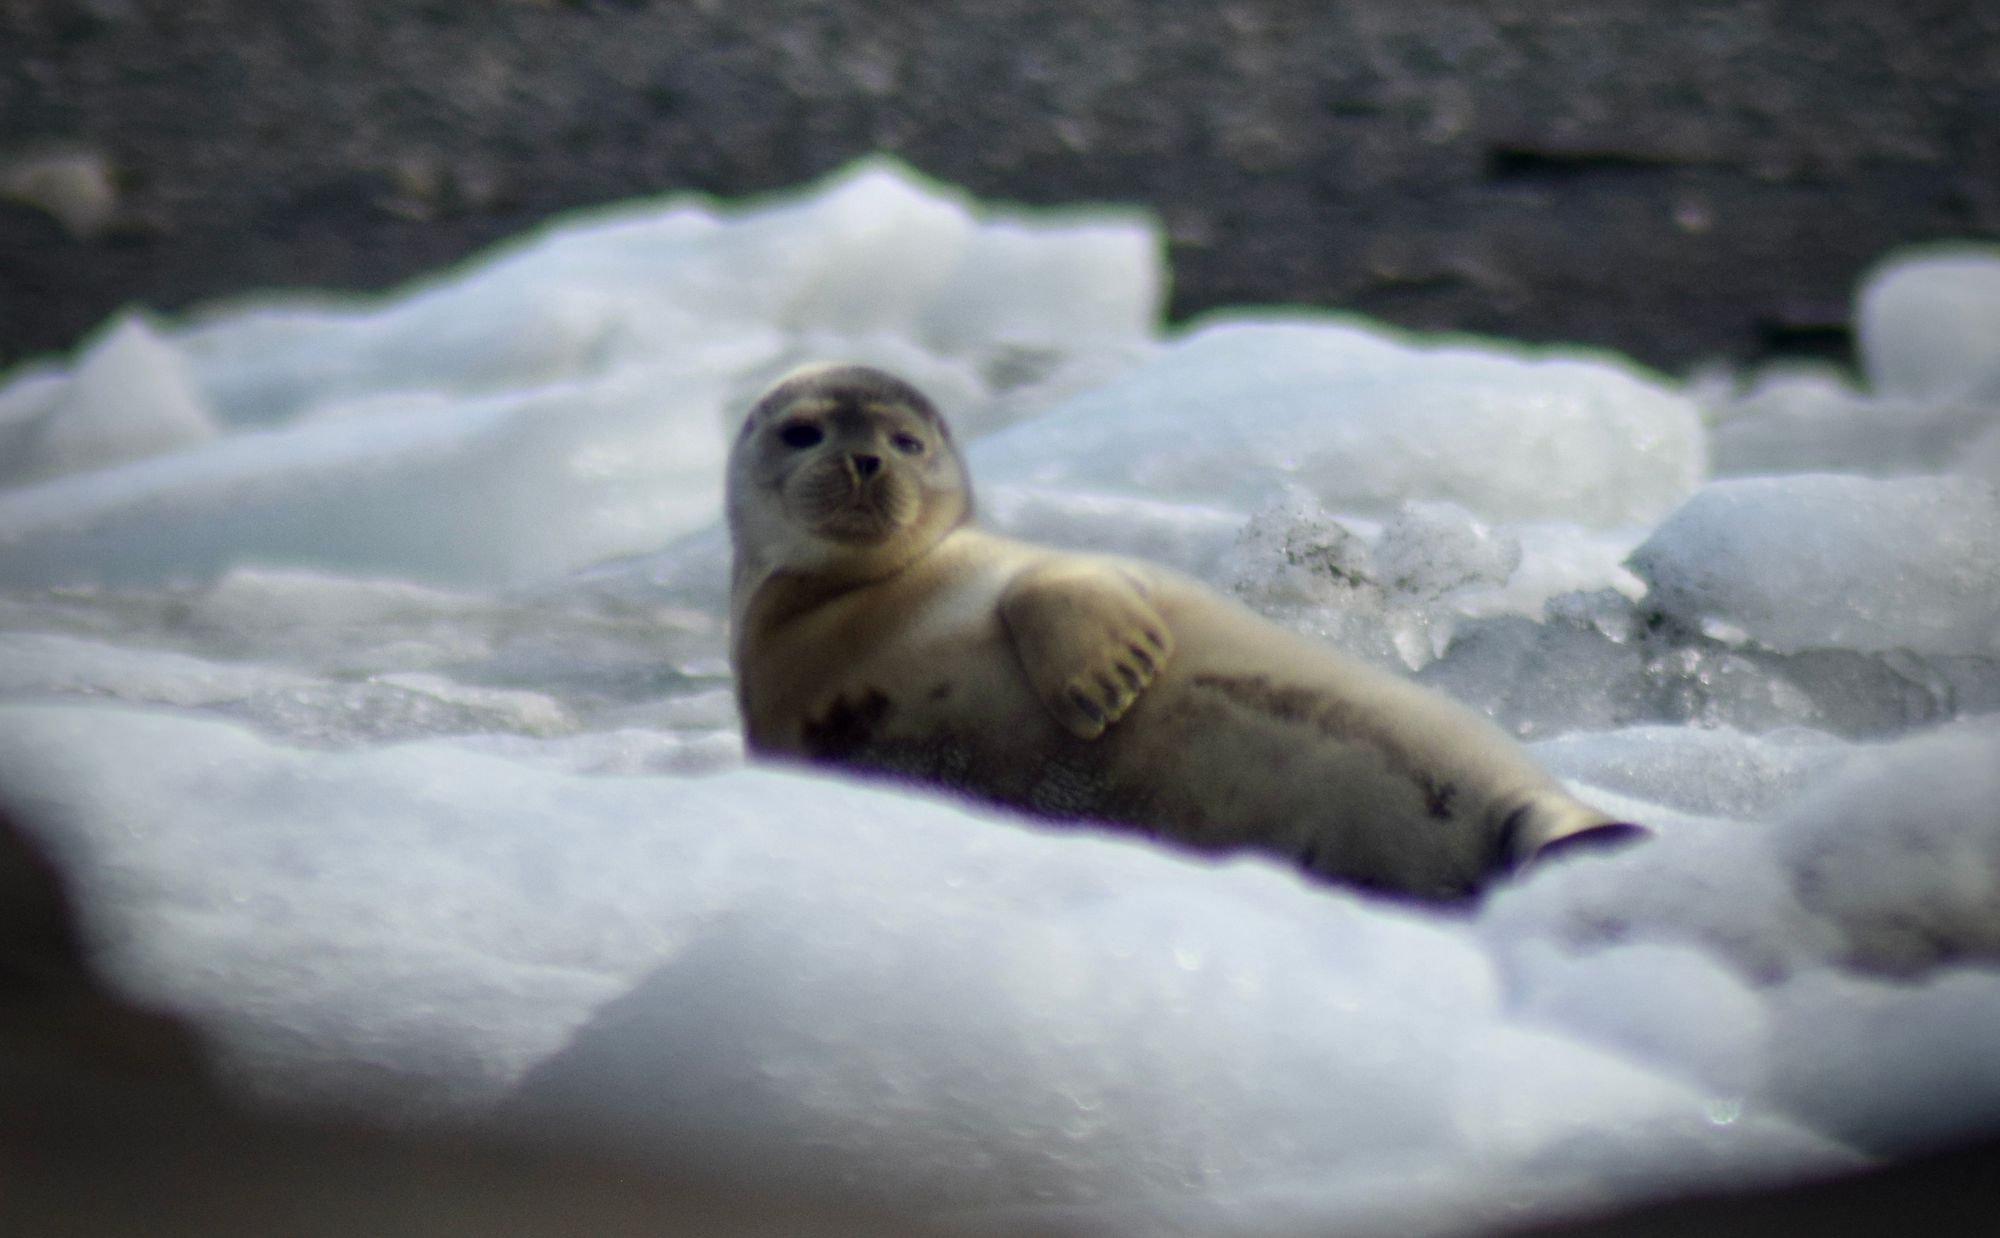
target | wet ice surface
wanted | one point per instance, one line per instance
(367, 660)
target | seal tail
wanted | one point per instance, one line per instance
(1536, 833)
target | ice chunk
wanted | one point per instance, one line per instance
(1403, 592)
(1560, 558)
(571, 302)
(1434, 548)
(1823, 561)
(318, 655)
(1598, 661)
(567, 398)
(1292, 553)
(1187, 536)
(1927, 322)
(1050, 281)
(1798, 419)
(1316, 573)
(1541, 679)
(1873, 696)
(879, 248)
(487, 491)
(1365, 422)
(873, 253)
(132, 395)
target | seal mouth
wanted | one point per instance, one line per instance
(858, 522)
(838, 504)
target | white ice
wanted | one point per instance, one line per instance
(1818, 561)
(1364, 421)
(365, 659)
(131, 395)
(559, 402)
(1927, 321)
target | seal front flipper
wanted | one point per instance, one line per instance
(1088, 638)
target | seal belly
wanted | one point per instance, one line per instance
(1219, 772)
(1282, 745)
(966, 723)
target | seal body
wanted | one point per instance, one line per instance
(897, 638)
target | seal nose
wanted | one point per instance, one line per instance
(865, 464)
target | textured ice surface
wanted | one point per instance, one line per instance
(1824, 561)
(1714, 772)
(383, 711)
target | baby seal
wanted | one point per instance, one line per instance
(876, 628)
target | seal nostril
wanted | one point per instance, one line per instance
(867, 465)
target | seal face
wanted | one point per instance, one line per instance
(875, 629)
(860, 465)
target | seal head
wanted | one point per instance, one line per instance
(844, 472)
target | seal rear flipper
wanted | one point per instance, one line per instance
(1088, 639)
(1611, 836)
(1536, 833)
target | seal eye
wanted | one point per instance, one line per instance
(800, 434)
(908, 444)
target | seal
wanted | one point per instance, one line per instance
(875, 627)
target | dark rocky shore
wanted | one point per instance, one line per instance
(1678, 180)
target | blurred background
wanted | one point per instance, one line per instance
(1684, 181)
